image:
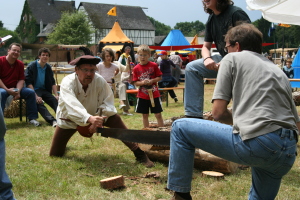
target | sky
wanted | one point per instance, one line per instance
(168, 12)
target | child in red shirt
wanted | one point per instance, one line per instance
(146, 75)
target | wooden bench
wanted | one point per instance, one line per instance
(171, 88)
(210, 80)
(135, 91)
(294, 79)
(213, 80)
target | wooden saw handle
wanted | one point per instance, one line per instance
(151, 97)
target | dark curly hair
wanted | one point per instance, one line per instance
(44, 50)
(221, 6)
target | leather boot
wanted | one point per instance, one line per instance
(177, 197)
(142, 158)
(187, 116)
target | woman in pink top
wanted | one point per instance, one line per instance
(107, 69)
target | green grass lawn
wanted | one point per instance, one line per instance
(35, 175)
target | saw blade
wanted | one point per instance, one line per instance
(159, 138)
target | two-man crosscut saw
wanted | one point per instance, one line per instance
(159, 138)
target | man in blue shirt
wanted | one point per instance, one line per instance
(39, 77)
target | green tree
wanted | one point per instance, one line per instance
(264, 26)
(190, 29)
(294, 36)
(15, 37)
(1, 24)
(288, 37)
(160, 28)
(72, 28)
(283, 36)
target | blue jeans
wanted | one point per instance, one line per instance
(195, 71)
(29, 96)
(5, 184)
(271, 155)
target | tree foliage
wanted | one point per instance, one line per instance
(287, 37)
(284, 37)
(15, 37)
(264, 25)
(73, 28)
(190, 29)
(160, 28)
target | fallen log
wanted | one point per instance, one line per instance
(207, 161)
(203, 160)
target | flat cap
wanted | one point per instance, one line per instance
(86, 59)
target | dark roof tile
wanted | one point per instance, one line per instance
(129, 17)
(49, 12)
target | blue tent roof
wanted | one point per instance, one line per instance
(176, 38)
(296, 66)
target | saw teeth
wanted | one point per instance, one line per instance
(162, 147)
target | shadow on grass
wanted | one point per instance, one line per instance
(292, 178)
(24, 124)
(17, 125)
(107, 164)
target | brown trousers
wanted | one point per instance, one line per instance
(62, 136)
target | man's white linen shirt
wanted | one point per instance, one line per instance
(77, 105)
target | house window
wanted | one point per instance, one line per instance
(24, 18)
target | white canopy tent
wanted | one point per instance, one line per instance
(278, 11)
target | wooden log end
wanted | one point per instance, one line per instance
(113, 182)
(213, 174)
(296, 97)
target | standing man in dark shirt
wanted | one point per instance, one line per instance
(222, 16)
(176, 59)
(167, 79)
